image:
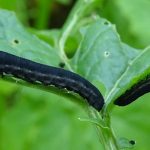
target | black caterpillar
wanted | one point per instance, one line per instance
(141, 88)
(33, 72)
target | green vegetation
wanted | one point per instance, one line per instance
(89, 36)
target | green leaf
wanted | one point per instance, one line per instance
(16, 40)
(125, 143)
(136, 71)
(102, 56)
(21, 11)
(21, 43)
(49, 36)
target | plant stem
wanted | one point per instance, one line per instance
(105, 133)
(81, 8)
(43, 13)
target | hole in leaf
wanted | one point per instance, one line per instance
(61, 64)
(132, 142)
(106, 23)
(16, 41)
(106, 53)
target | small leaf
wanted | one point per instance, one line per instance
(125, 143)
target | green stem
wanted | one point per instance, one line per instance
(43, 13)
(105, 133)
(81, 8)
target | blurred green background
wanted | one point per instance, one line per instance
(31, 119)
